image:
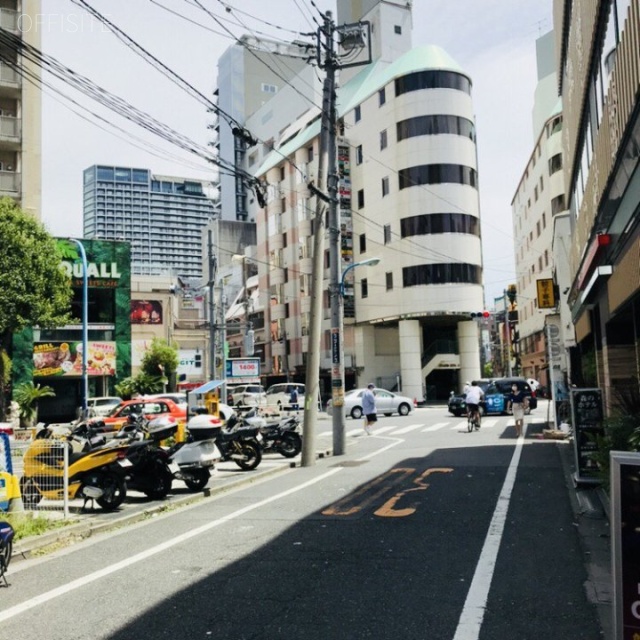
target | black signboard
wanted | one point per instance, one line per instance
(586, 419)
(625, 521)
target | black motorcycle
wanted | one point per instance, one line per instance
(238, 442)
(147, 464)
(282, 437)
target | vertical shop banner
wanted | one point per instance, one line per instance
(625, 543)
(586, 417)
(65, 359)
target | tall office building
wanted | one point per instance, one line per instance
(20, 111)
(161, 217)
(408, 195)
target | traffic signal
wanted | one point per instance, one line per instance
(511, 294)
(249, 343)
(480, 315)
(197, 360)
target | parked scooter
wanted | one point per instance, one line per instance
(192, 460)
(94, 473)
(281, 437)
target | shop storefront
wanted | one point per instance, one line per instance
(53, 357)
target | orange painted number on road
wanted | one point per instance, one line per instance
(388, 509)
(375, 489)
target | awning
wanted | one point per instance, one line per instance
(208, 386)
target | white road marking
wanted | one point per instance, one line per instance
(459, 425)
(411, 427)
(355, 432)
(379, 430)
(487, 423)
(148, 553)
(435, 427)
(475, 605)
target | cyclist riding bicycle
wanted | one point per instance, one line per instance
(472, 399)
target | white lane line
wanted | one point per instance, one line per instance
(411, 427)
(475, 605)
(123, 564)
(435, 427)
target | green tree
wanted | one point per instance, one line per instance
(141, 384)
(33, 288)
(161, 359)
(27, 396)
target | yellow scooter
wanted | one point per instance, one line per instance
(94, 474)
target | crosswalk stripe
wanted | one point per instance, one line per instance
(353, 432)
(487, 423)
(459, 425)
(411, 427)
(435, 427)
(378, 430)
(326, 433)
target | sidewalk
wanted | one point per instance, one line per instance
(592, 522)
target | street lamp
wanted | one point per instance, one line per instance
(337, 358)
(85, 329)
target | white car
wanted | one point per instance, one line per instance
(279, 395)
(387, 403)
(248, 395)
(103, 405)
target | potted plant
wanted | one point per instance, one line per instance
(27, 395)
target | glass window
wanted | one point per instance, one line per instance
(357, 115)
(385, 186)
(389, 280)
(555, 163)
(364, 288)
(105, 173)
(437, 174)
(382, 97)
(359, 154)
(434, 223)
(387, 233)
(432, 80)
(434, 125)
(123, 175)
(360, 198)
(383, 140)
(140, 175)
(397, 29)
(363, 243)
(441, 273)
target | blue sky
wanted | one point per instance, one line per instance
(493, 40)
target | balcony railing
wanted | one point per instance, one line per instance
(10, 128)
(9, 76)
(9, 182)
(9, 19)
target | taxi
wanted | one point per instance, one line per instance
(149, 408)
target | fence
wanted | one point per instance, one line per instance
(42, 466)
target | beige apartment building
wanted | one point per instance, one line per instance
(21, 110)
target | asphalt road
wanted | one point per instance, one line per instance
(421, 531)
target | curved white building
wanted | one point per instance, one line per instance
(409, 196)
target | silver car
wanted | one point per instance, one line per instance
(387, 403)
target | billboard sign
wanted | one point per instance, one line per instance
(65, 359)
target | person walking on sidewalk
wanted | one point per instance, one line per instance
(369, 408)
(518, 402)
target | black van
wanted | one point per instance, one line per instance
(503, 385)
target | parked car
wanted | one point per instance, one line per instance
(278, 395)
(457, 405)
(387, 403)
(103, 405)
(179, 398)
(248, 395)
(149, 408)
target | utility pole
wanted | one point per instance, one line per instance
(352, 37)
(212, 307)
(312, 383)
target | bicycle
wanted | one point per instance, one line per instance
(473, 421)
(6, 549)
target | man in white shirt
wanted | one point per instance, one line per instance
(473, 397)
